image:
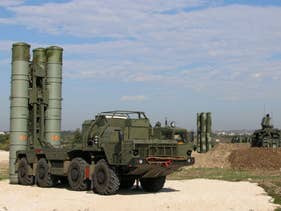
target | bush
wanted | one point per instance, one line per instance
(4, 142)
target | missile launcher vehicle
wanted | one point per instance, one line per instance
(117, 147)
(267, 136)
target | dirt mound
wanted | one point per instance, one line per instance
(217, 157)
(256, 158)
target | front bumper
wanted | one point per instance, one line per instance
(160, 166)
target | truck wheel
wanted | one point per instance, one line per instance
(23, 176)
(76, 175)
(105, 181)
(152, 184)
(43, 177)
(126, 182)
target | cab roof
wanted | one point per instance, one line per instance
(123, 114)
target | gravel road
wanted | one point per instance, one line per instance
(196, 194)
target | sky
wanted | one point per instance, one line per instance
(169, 58)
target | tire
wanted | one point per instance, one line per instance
(43, 177)
(105, 180)
(76, 175)
(152, 184)
(126, 182)
(23, 176)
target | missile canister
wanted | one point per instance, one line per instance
(199, 144)
(203, 131)
(209, 131)
(19, 104)
(39, 99)
(54, 83)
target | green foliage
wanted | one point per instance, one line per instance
(4, 142)
(71, 137)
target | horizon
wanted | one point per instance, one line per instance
(167, 58)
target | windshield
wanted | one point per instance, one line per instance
(124, 114)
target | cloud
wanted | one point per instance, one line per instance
(86, 18)
(138, 98)
(221, 51)
(8, 3)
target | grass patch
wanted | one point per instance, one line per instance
(3, 176)
(225, 174)
(270, 181)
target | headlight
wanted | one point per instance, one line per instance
(96, 140)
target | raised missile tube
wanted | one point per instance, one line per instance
(203, 131)
(39, 95)
(19, 104)
(54, 83)
(209, 131)
(198, 144)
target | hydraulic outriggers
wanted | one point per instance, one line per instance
(35, 117)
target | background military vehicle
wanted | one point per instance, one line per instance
(116, 148)
(241, 139)
(267, 136)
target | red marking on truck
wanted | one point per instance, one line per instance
(167, 163)
(87, 172)
(23, 137)
(55, 138)
(38, 151)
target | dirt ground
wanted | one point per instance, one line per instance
(256, 158)
(196, 194)
(217, 157)
(239, 156)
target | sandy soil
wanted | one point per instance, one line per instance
(197, 194)
(4, 156)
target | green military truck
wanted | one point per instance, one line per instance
(116, 149)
